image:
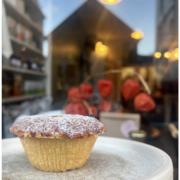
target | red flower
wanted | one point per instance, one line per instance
(94, 111)
(130, 89)
(105, 106)
(144, 102)
(86, 91)
(74, 94)
(79, 108)
(105, 87)
(76, 108)
(69, 109)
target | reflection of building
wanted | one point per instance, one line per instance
(166, 65)
(73, 45)
(167, 25)
(167, 39)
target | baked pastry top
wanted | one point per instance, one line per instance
(57, 126)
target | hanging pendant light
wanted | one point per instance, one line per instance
(137, 35)
(157, 55)
(174, 55)
(167, 55)
(101, 49)
(110, 1)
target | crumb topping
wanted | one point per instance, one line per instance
(57, 126)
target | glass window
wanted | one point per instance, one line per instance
(116, 60)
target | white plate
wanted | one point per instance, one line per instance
(111, 159)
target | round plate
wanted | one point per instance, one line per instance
(111, 159)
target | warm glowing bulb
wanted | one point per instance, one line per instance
(167, 54)
(110, 1)
(100, 48)
(103, 48)
(98, 44)
(137, 35)
(157, 55)
(176, 53)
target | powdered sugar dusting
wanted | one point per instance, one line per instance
(60, 126)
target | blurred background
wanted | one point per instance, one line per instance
(51, 46)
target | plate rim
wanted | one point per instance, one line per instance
(165, 169)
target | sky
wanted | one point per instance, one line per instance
(138, 14)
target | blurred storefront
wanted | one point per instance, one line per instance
(74, 46)
(94, 50)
